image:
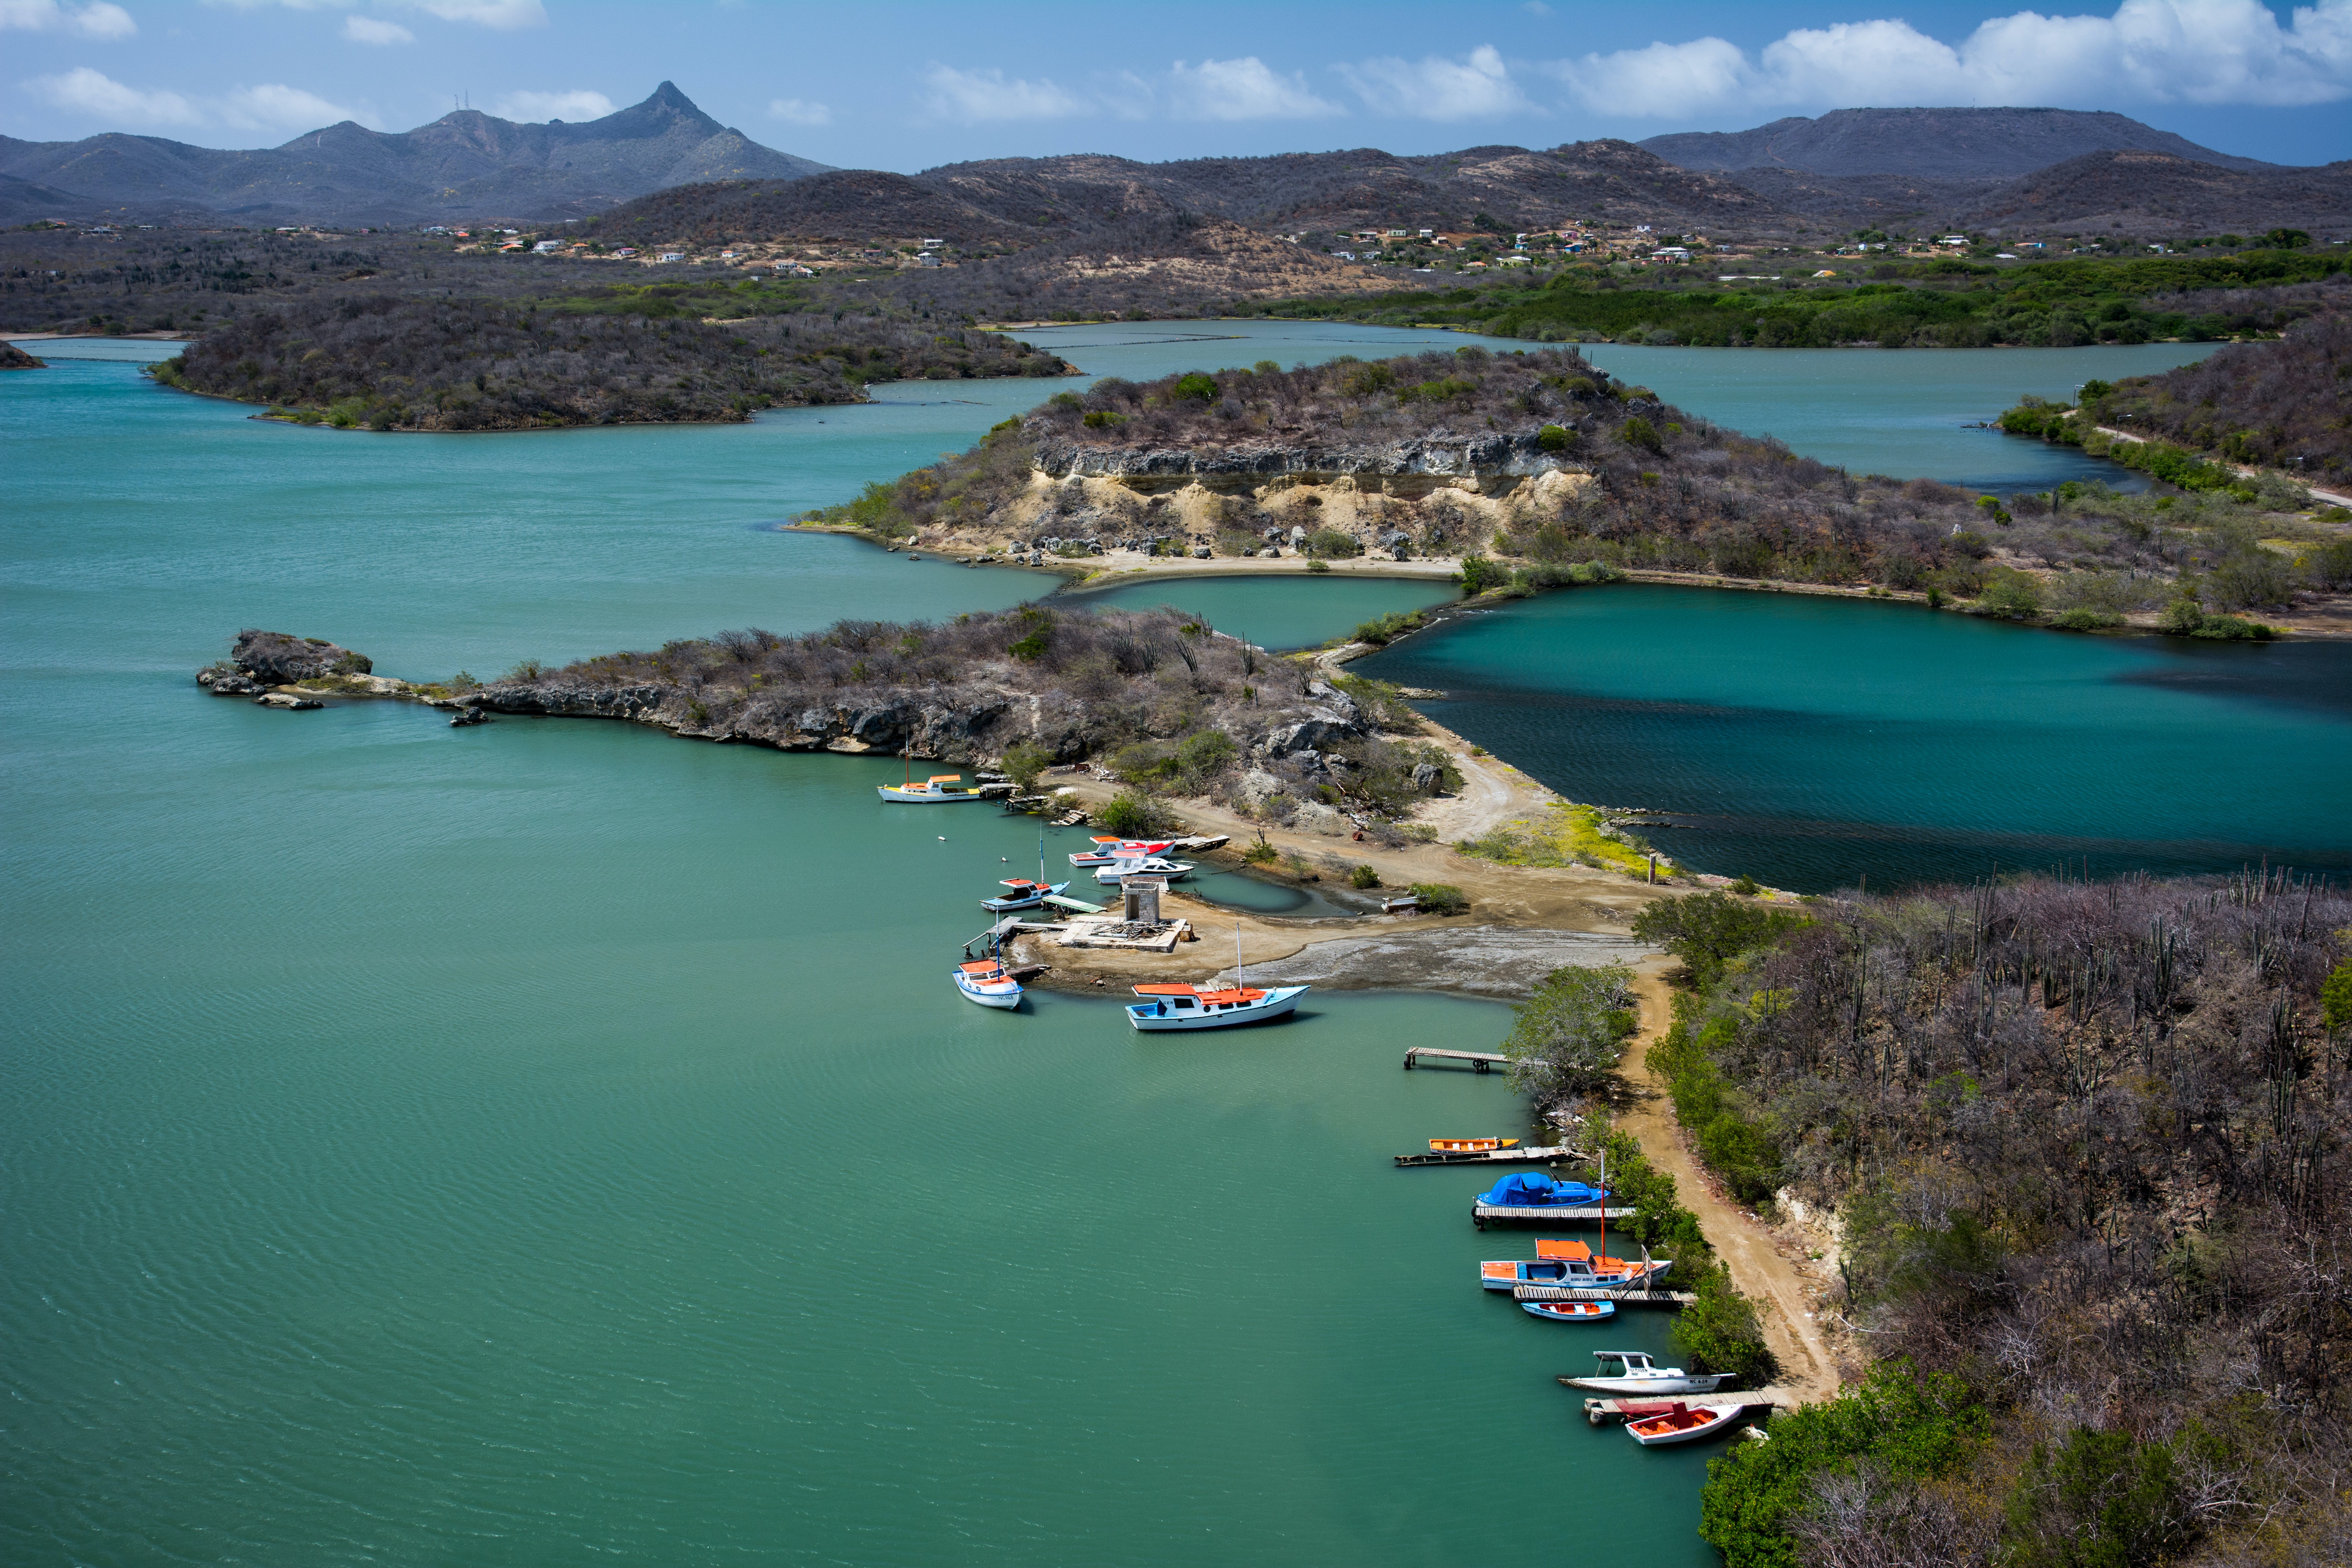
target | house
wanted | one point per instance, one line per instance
(730, 254)
(1398, 234)
(625, 253)
(672, 256)
(931, 244)
(547, 247)
(923, 258)
(793, 269)
(1673, 253)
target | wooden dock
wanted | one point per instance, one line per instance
(1482, 1212)
(1479, 1061)
(1495, 1157)
(1631, 1298)
(1600, 1412)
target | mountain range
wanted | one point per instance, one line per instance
(664, 170)
(466, 164)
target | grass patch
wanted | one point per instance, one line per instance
(1567, 835)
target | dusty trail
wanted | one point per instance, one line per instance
(1763, 1266)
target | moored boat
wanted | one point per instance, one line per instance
(1470, 1145)
(987, 982)
(1170, 1007)
(1020, 893)
(1571, 1264)
(1143, 865)
(932, 791)
(1635, 1375)
(1679, 1423)
(1570, 1311)
(1107, 850)
(1534, 1190)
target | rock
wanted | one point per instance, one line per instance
(1428, 777)
(1201, 552)
(274, 658)
(1257, 786)
(466, 716)
(1315, 816)
(229, 685)
(1315, 734)
(285, 700)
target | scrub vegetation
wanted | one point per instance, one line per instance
(1567, 835)
(391, 363)
(2086, 1149)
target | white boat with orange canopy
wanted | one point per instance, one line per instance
(932, 791)
(1169, 1008)
(1679, 1423)
(1571, 1264)
(987, 982)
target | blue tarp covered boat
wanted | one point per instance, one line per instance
(1534, 1190)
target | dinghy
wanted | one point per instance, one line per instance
(1635, 1375)
(1020, 893)
(986, 983)
(1570, 1311)
(1680, 1423)
(1470, 1145)
(1107, 850)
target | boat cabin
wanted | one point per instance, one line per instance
(1182, 999)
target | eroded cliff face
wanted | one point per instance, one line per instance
(1492, 455)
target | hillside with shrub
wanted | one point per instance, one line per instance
(421, 363)
(2086, 1149)
(2285, 404)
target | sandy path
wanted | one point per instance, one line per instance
(1763, 1266)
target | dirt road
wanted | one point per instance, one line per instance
(1764, 1267)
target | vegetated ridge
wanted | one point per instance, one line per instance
(460, 166)
(1934, 144)
(2285, 404)
(2082, 1148)
(1538, 469)
(414, 364)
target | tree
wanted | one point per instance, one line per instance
(1707, 930)
(1640, 433)
(1572, 1032)
(1024, 761)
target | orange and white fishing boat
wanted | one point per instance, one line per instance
(1570, 1311)
(1679, 1423)
(1470, 1145)
(987, 982)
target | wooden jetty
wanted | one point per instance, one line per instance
(1601, 1411)
(1494, 1156)
(1482, 1212)
(1479, 1061)
(1629, 1297)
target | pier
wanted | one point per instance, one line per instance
(1626, 1295)
(1601, 1411)
(1479, 1061)
(1481, 1213)
(1495, 1157)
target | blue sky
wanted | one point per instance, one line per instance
(907, 86)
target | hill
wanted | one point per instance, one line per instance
(2145, 193)
(1930, 144)
(466, 164)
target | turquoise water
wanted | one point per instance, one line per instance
(1905, 412)
(1285, 612)
(547, 1141)
(1813, 743)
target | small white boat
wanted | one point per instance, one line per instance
(1637, 1376)
(1020, 893)
(1570, 1311)
(1107, 850)
(1167, 1008)
(1144, 866)
(932, 791)
(1679, 1423)
(987, 982)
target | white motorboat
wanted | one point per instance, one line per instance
(1143, 865)
(1020, 893)
(1637, 1376)
(1189, 1008)
(987, 982)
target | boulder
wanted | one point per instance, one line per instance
(1428, 777)
(229, 684)
(274, 658)
(285, 700)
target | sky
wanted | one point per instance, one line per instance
(893, 85)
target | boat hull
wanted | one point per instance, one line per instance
(1636, 1387)
(1003, 995)
(1570, 1311)
(921, 797)
(1153, 1019)
(1719, 1416)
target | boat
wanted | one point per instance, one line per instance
(987, 982)
(1189, 1008)
(1470, 1145)
(1570, 1311)
(1571, 1264)
(1020, 893)
(1534, 1190)
(1107, 850)
(1679, 1423)
(932, 791)
(1635, 1375)
(1143, 865)
(1170, 1007)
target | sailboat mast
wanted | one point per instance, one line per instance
(1237, 955)
(1604, 1205)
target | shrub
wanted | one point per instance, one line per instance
(1640, 433)
(1261, 853)
(1440, 898)
(1363, 877)
(2233, 629)
(1554, 438)
(1478, 574)
(1196, 386)
(1571, 1032)
(1133, 815)
(1023, 762)
(1333, 541)
(2086, 620)
(1319, 567)
(1389, 627)
(1707, 930)
(2013, 595)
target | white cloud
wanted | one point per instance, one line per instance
(974, 96)
(1475, 88)
(1242, 89)
(576, 105)
(506, 15)
(94, 21)
(368, 30)
(276, 107)
(2158, 51)
(800, 112)
(95, 93)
